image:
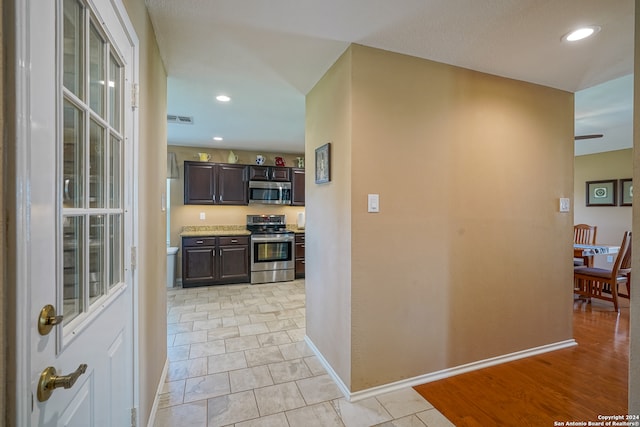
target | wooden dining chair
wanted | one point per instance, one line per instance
(584, 234)
(601, 283)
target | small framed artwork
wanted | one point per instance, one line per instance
(601, 193)
(626, 192)
(323, 163)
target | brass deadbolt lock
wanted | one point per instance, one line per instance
(48, 319)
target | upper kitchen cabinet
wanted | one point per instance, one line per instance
(268, 173)
(215, 184)
(297, 187)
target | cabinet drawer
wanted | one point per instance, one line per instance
(300, 238)
(234, 240)
(198, 241)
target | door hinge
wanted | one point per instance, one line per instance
(134, 257)
(134, 417)
(135, 93)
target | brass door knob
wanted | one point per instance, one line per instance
(49, 381)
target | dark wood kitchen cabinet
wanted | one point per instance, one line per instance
(269, 173)
(300, 239)
(215, 184)
(297, 187)
(215, 260)
(234, 259)
(198, 261)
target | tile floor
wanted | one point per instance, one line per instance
(237, 357)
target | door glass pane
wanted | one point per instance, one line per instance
(96, 72)
(73, 47)
(96, 166)
(115, 88)
(115, 250)
(92, 154)
(96, 256)
(114, 172)
(73, 272)
(73, 157)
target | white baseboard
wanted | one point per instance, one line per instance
(433, 376)
(336, 378)
(156, 399)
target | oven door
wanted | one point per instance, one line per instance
(272, 252)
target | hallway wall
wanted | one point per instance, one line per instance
(469, 168)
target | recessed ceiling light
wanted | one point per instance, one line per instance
(217, 138)
(223, 98)
(581, 33)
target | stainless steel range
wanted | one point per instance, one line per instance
(272, 247)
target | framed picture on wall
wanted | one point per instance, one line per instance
(626, 192)
(323, 163)
(601, 193)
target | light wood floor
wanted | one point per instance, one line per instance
(574, 384)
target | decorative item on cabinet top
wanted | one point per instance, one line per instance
(233, 157)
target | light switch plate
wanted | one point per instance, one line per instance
(373, 203)
(202, 216)
(565, 204)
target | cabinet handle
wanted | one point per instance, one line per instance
(199, 242)
(234, 241)
(302, 262)
(302, 245)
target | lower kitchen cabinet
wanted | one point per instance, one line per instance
(234, 259)
(300, 255)
(215, 260)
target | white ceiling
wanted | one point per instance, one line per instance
(267, 55)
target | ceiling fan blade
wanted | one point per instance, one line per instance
(592, 136)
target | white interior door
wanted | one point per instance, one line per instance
(77, 148)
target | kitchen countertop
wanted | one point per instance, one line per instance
(214, 230)
(224, 230)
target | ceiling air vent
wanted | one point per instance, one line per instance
(181, 120)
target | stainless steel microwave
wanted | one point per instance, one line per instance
(269, 192)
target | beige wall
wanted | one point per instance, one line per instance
(182, 215)
(447, 272)
(328, 215)
(612, 221)
(151, 171)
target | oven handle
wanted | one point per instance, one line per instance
(272, 239)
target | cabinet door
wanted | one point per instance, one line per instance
(259, 173)
(280, 174)
(198, 265)
(199, 183)
(300, 255)
(234, 263)
(297, 187)
(232, 185)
